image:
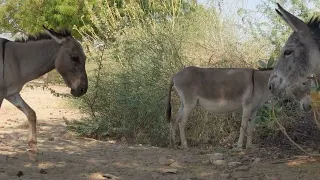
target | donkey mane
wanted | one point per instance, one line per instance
(43, 36)
(314, 22)
(265, 69)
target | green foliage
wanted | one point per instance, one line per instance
(134, 47)
(272, 27)
(268, 64)
(132, 55)
(29, 15)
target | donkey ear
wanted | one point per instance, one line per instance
(53, 35)
(296, 24)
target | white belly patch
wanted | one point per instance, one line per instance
(220, 105)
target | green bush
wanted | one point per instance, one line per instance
(130, 67)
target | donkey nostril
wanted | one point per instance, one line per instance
(82, 90)
(270, 87)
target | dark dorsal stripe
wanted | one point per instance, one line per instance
(265, 69)
(43, 36)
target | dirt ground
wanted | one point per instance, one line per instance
(63, 156)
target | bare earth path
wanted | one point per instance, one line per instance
(65, 157)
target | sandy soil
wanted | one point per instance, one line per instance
(63, 156)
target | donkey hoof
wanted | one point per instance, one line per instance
(238, 149)
(172, 146)
(251, 147)
(33, 156)
(183, 148)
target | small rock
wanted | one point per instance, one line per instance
(175, 165)
(42, 171)
(233, 164)
(243, 168)
(257, 160)
(166, 170)
(165, 161)
(309, 150)
(225, 175)
(20, 173)
(110, 176)
(216, 156)
(219, 162)
(1, 170)
(51, 138)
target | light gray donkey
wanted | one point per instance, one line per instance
(224, 90)
(300, 56)
(26, 59)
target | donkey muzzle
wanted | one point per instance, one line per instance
(81, 90)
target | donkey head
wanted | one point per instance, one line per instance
(299, 57)
(70, 62)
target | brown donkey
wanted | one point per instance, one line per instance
(26, 59)
(223, 90)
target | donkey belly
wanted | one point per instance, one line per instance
(220, 105)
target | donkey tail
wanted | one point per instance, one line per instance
(168, 113)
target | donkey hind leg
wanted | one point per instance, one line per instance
(250, 129)
(16, 100)
(246, 114)
(173, 127)
(182, 124)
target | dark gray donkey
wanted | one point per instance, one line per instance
(26, 59)
(300, 57)
(223, 90)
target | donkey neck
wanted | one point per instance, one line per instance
(35, 58)
(262, 77)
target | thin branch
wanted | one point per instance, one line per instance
(286, 134)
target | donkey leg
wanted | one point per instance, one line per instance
(2, 94)
(246, 113)
(250, 129)
(182, 126)
(173, 129)
(1, 100)
(16, 100)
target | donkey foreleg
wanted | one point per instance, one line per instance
(246, 114)
(250, 128)
(16, 100)
(2, 94)
(1, 100)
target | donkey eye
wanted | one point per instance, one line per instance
(287, 52)
(75, 58)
